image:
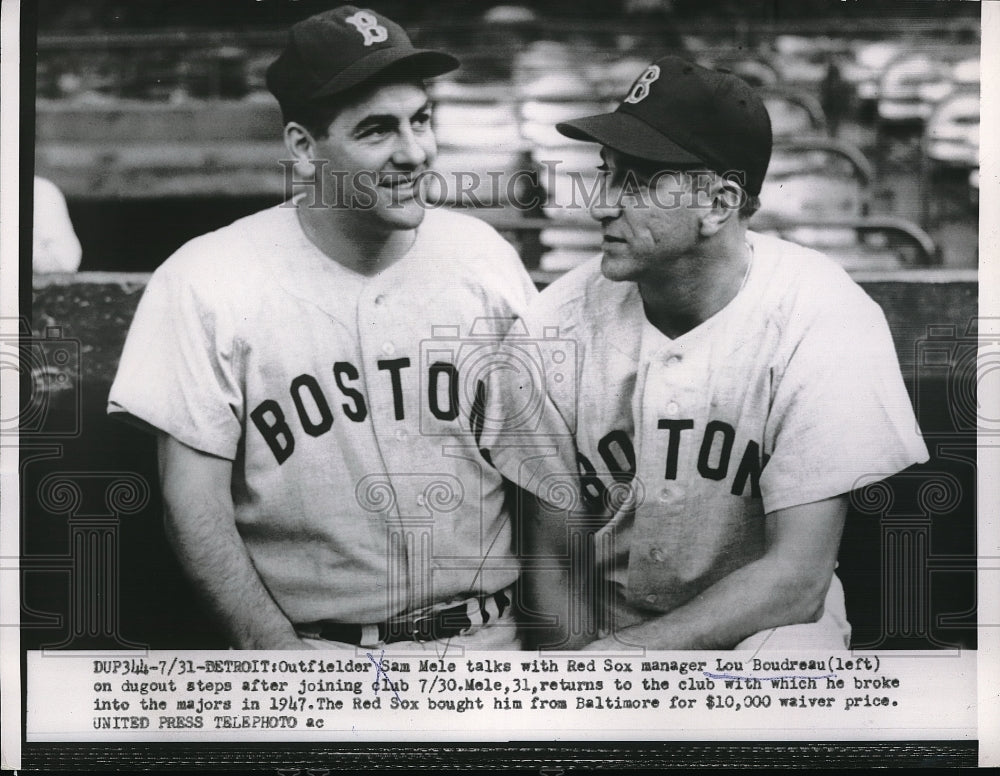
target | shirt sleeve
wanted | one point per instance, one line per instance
(841, 417)
(178, 370)
(518, 288)
(521, 283)
(530, 410)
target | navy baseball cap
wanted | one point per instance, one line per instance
(680, 113)
(336, 50)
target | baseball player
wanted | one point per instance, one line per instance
(728, 390)
(322, 484)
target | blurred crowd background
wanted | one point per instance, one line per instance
(153, 125)
(153, 119)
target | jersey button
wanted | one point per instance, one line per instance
(388, 348)
(656, 555)
(673, 408)
(651, 598)
(380, 299)
(666, 494)
(400, 434)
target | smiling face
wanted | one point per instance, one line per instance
(649, 216)
(375, 150)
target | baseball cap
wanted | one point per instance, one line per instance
(341, 48)
(680, 113)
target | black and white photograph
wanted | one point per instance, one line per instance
(514, 386)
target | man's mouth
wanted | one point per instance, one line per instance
(399, 181)
(611, 239)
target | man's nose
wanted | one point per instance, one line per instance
(606, 205)
(413, 150)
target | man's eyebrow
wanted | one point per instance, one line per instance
(376, 120)
(387, 119)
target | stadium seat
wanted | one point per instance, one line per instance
(479, 149)
(793, 113)
(539, 116)
(816, 178)
(460, 123)
(477, 177)
(817, 194)
(883, 243)
(569, 178)
(951, 136)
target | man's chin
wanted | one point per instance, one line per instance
(406, 215)
(616, 267)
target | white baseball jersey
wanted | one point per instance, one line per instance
(359, 487)
(55, 246)
(790, 394)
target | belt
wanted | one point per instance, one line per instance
(422, 625)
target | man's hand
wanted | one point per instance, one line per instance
(785, 586)
(200, 524)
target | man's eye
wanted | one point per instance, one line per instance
(374, 132)
(422, 120)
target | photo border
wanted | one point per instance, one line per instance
(535, 756)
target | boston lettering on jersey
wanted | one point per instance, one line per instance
(715, 457)
(312, 406)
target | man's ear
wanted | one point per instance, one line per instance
(726, 198)
(302, 146)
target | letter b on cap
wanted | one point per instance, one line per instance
(640, 89)
(368, 25)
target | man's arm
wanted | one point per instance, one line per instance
(558, 576)
(200, 524)
(785, 586)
